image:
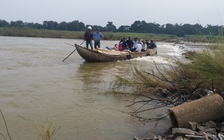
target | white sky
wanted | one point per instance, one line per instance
(120, 12)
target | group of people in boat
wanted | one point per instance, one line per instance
(135, 45)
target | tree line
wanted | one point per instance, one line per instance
(138, 26)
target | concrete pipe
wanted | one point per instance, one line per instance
(201, 110)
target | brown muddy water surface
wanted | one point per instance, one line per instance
(37, 87)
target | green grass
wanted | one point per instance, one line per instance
(30, 32)
(205, 71)
(175, 83)
(203, 38)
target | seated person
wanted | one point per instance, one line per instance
(151, 45)
(138, 47)
(116, 47)
(129, 43)
(122, 44)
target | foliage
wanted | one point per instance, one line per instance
(174, 84)
(138, 26)
(30, 32)
(208, 66)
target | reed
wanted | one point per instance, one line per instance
(175, 83)
(47, 131)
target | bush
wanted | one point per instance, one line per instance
(174, 84)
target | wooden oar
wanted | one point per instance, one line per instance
(72, 51)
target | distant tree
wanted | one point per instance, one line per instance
(33, 25)
(76, 26)
(52, 25)
(94, 27)
(124, 28)
(189, 29)
(3, 23)
(211, 30)
(18, 23)
(110, 27)
(136, 26)
(178, 30)
(198, 29)
(153, 28)
(168, 29)
(144, 27)
(62, 26)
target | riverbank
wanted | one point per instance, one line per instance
(44, 33)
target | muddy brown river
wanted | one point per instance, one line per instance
(37, 88)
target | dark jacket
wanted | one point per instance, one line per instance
(129, 43)
(151, 45)
(88, 36)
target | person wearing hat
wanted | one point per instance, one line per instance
(88, 37)
(97, 36)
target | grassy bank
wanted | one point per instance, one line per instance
(29, 32)
(175, 83)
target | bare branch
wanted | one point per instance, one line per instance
(5, 125)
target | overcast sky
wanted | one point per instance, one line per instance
(120, 12)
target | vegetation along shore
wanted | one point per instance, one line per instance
(141, 29)
(45, 33)
(166, 86)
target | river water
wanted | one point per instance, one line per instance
(37, 88)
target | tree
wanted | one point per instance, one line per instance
(211, 30)
(124, 28)
(76, 26)
(153, 28)
(18, 23)
(3, 23)
(136, 26)
(178, 30)
(50, 25)
(189, 29)
(168, 29)
(110, 27)
(62, 26)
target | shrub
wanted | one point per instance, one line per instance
(174, 84)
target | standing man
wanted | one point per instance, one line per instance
(88, 37)
(97, 36)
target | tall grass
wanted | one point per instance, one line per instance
(47, 131)
(30, 32)
(174, 84)
(209, 68)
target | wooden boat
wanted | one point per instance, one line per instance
(102, 55)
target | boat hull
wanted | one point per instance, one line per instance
(101, 55)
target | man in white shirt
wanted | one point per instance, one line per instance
(138, 47)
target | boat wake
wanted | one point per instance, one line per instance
(166, 53)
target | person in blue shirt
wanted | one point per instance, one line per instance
(97, 36)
